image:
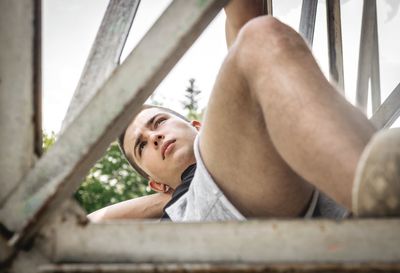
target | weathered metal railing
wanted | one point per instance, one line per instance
(33, 191)
(368, 64)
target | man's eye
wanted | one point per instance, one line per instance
(141, 147)
(158, 122)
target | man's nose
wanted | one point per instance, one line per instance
(156, 139)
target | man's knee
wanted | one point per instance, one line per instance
(260, 28)
(265, 39)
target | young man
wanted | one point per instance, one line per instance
(275, 136)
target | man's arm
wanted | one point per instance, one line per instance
(150, 206)
(238, 13)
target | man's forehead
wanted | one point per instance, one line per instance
(139, 122)
(145, 115)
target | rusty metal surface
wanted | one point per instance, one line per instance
(219, 268)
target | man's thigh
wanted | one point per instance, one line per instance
(238, 152)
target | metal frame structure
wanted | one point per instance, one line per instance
(336, 70)
(368, 64)
(42, 230)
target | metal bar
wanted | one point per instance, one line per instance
(375, 74)
(267, 7)
(17, 36)
(272, 241)
(366, 48)
(219, 267)
(104, 55)
(37, 78)
(307, 20)
(335, 43)
(58, 173)
(389, 111)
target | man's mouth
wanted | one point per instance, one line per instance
(167, 147)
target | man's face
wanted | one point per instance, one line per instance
(161, 144)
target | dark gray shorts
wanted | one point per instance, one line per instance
(327, 208)
(204, 201)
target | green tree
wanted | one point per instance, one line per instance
(109, 181)
(191, 102)
(48, 140)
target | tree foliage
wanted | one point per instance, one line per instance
(109, 181)
(191, 102)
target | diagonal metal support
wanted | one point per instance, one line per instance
(267, 242)
(104, 55)
(335, 43)
(368, 63)
(389, 111)
(307, 20)
(59, 172)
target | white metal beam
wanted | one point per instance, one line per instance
(389, 111)
(104, 55)
(59, 172)
(218, 267)
(272, 241)
(17, 48)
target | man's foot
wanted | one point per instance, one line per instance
(376, 190)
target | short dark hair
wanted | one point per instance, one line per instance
(121, 137)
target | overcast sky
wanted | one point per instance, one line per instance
(69, 28)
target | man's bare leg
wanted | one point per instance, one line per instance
(274, 122)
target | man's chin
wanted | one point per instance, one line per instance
(182, 160)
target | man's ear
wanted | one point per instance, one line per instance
(159, 187)
(196, 124)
